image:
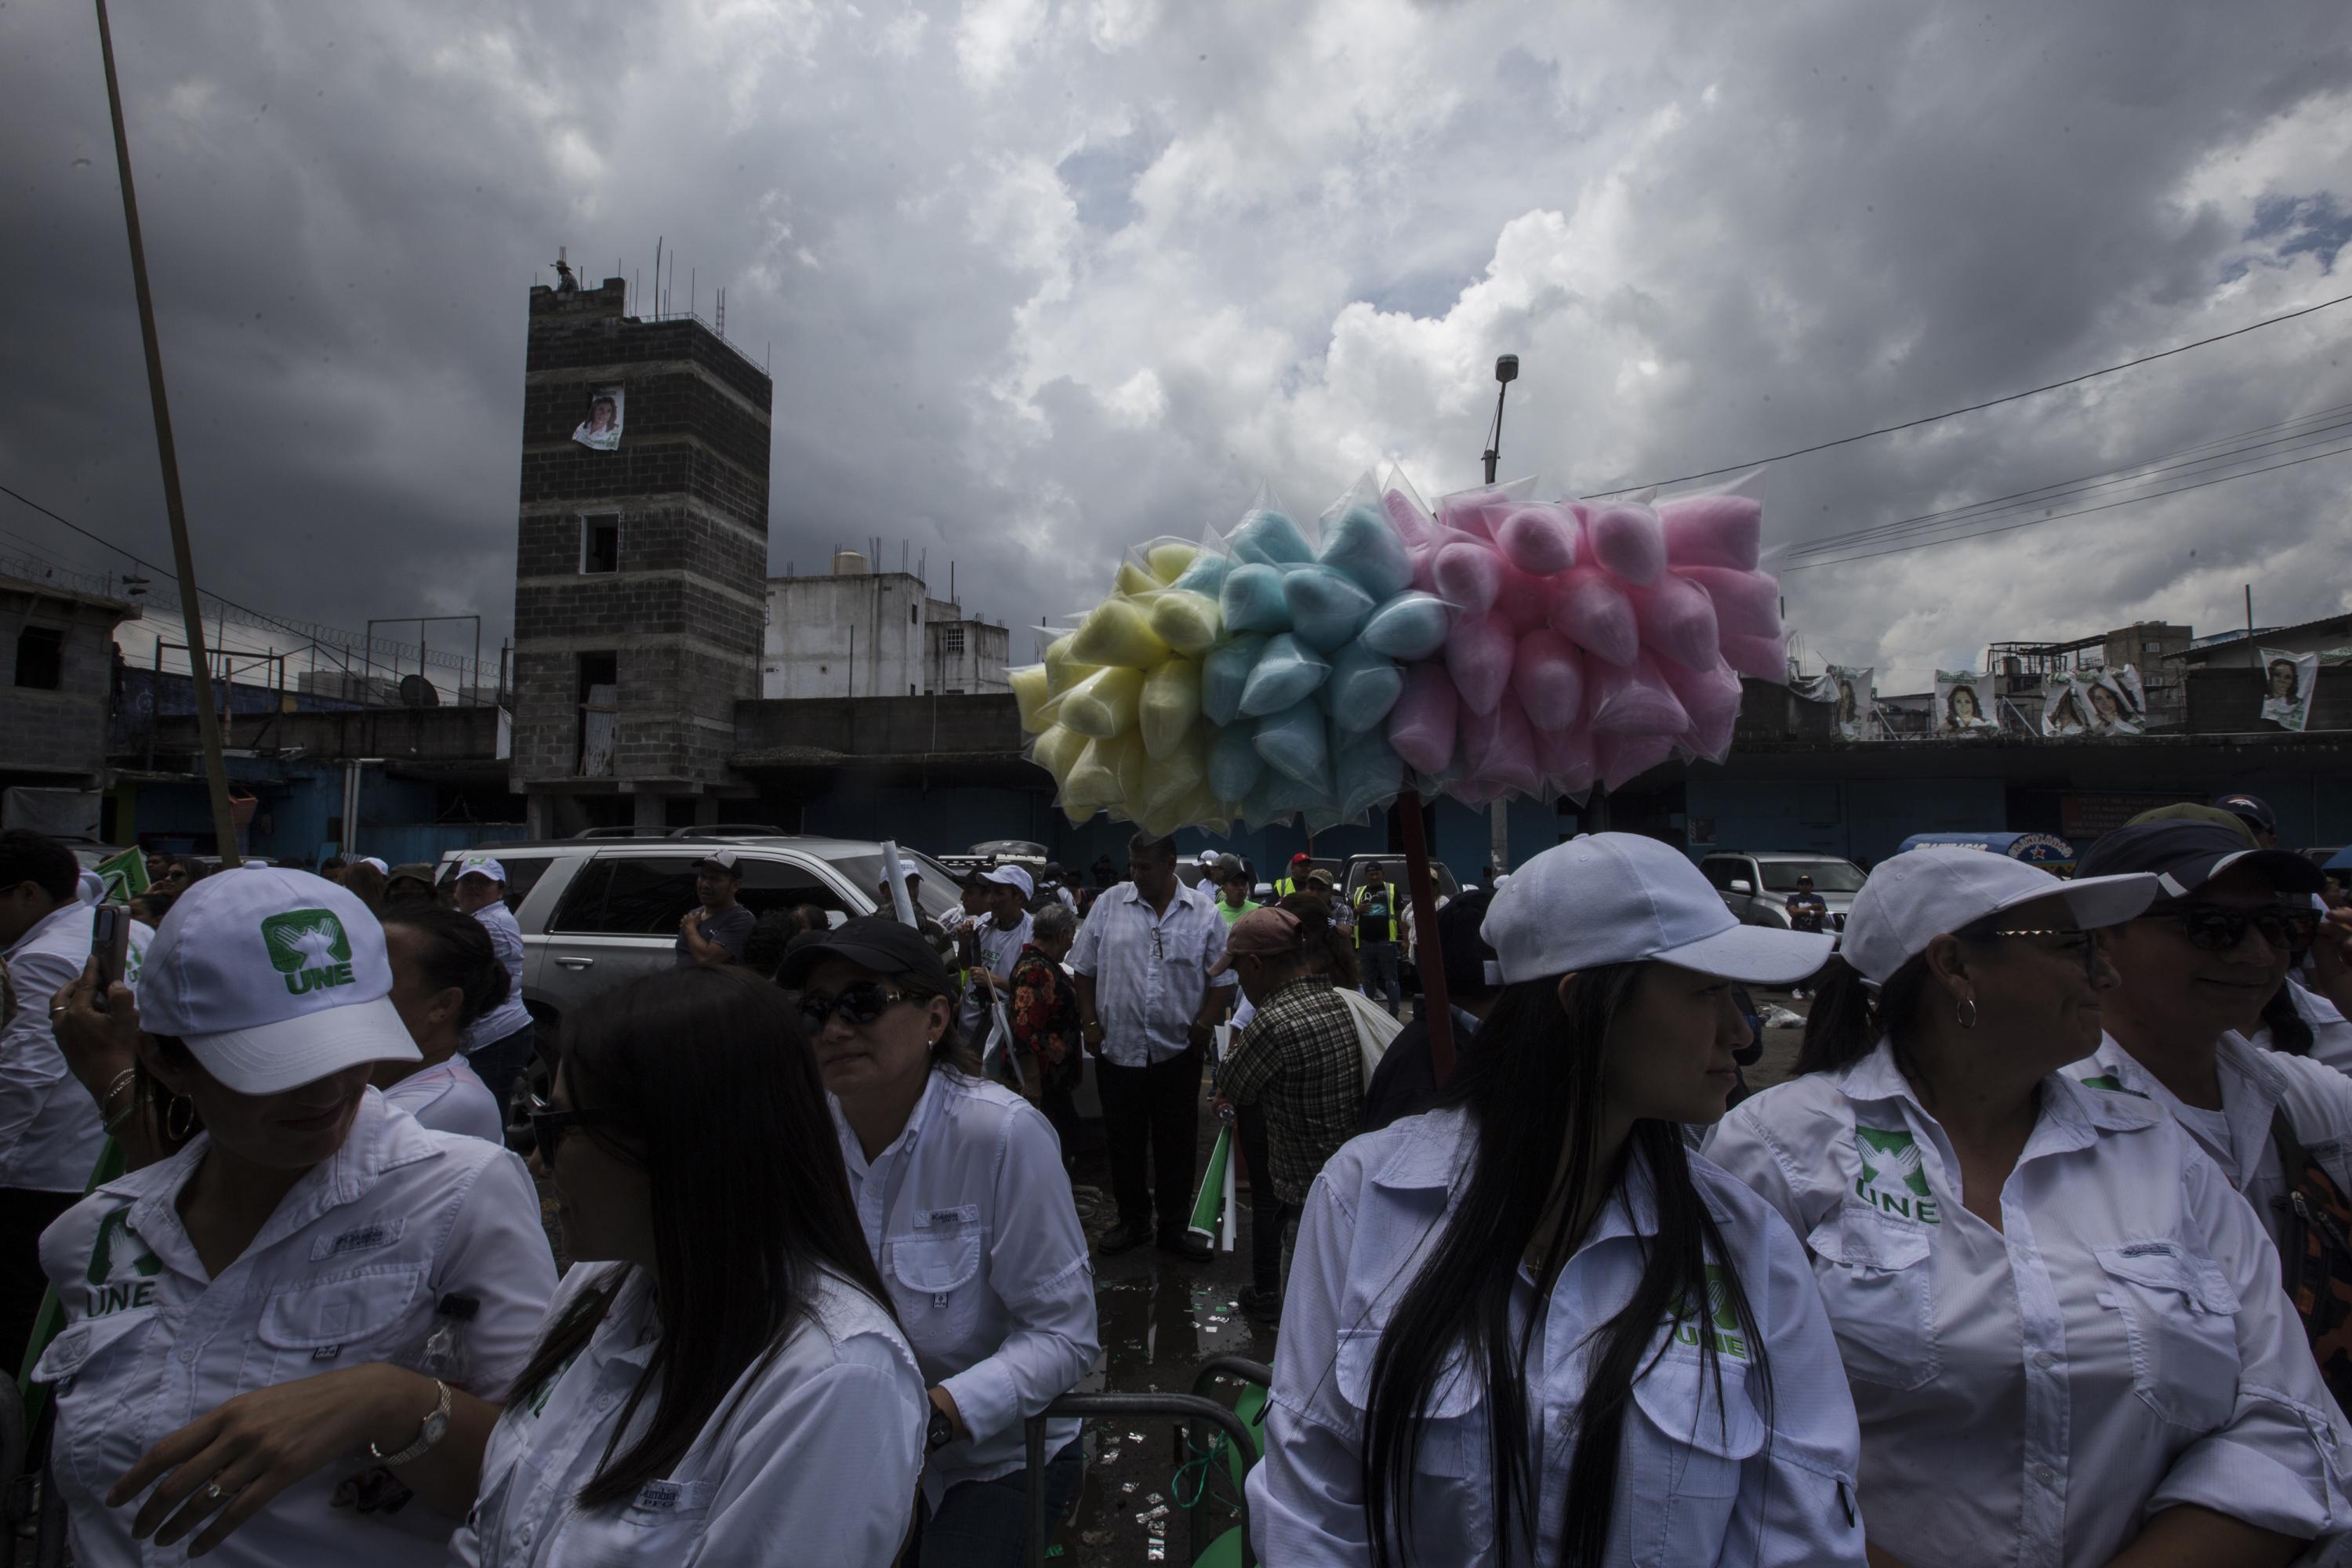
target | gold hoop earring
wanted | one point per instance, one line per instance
(1967, 1013)
(182, 1109)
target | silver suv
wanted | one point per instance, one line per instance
(598, 911)
(1756, 885)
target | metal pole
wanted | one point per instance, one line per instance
(182, 558)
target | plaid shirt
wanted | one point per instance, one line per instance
(1301, 1056)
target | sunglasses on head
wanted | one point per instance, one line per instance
(859, 1005)
(548, 1125)
(2218, 928)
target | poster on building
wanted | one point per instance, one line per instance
(1855, 717)
(2066, 709)
(601, 430)
(2117, 705)
(1964, 703)
(2288, 679)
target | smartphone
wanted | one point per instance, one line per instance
(109, 943)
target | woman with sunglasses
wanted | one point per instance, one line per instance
(286, 1326)
(2196, 970)
(2064, 1332)
(958, 1185)
(1528, 1327)
(719, 1381)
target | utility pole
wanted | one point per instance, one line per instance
(1498, 816)
(192, 613)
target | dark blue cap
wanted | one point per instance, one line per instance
(2254, 808)
(2185, 854)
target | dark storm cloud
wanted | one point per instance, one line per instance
(1040, 281)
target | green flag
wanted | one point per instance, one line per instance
(125, 875)
(1210, 1201)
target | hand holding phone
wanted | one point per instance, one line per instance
(110, 945)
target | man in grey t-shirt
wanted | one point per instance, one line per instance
(713, 931)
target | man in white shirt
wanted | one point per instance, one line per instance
(1148, 1006)
(1005, 892)
(499, 1044)
(49, 1134)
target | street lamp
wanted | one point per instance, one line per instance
(1507, 371)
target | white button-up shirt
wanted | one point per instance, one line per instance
(970, 1218)
(2316, 1097)
(1151, 971)
(2033, 1395)
(49, 1132)
(811, 1458)
(447, 1096)
(998, 949)
(1699, 1481)
(506, 937)
(349, 1270)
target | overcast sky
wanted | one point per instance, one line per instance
(1041, 281)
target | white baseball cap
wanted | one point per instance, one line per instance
(371, 860)
(1012, 876)
(273, 979)
(481, 866)
(1914, 898)
(1619, 898)
(92, 888)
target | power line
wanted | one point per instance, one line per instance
(2081, 512)
(1975, 407)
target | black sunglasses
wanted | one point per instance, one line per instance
(548, 1124)
(2218, 928)
(858, 1004)
(2076, 944)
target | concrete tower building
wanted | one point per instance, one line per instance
(642, 560)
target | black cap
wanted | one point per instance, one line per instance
(1465, 949)
(2186, 854)
(869, 941)
(2254, 808)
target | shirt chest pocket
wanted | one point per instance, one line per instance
(2180, 1313)
(1453, 1496)
(935, 1280)
(660, 1524)
(1876, 1276)
(105, 1406)
(342, 1320)
(1684, 1450)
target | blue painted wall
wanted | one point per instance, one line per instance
(396, 816)
(1859, 821)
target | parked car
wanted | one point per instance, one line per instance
(1756, 885)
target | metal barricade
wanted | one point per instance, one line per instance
(1185, 1408)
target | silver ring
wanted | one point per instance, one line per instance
(212, 1492)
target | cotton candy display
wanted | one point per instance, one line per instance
(1499, 646)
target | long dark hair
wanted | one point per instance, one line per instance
(1538, 1073)
(458, 953)
(750, 1196)
(2289, 1033)
(1846, 1021)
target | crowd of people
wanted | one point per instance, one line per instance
(2040, 1256)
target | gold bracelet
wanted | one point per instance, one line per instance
(128, 1076)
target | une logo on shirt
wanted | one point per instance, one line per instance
(1896, 1183)
(1722, 1324)
(106, 1294)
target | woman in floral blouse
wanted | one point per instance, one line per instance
(1045, 1018)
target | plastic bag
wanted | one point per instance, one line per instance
(1422, 724)
(1166, 559)
(1592, 612)
(1676, 619)
(1173, 775)
(1187, 622)
(1525, 602)
(1062, 670)
(1233, 763)
(1057, 751)
(1635, 701)
(1366, 773)
(1134, 581)
(1766, 659)
(1478, 656)
(1410, 626)
(1540, 540)
(1500, 749)
(1171, 701)
(1287, 673)
(1093, 784)
(1411, 520)
(1118, 632)
(1224, 674)
(1468, 574)
(1327, 606)
(1362, 542)
(1363, 689)
(1030, 696)
(1268, 538)
(1479, 512)
(1253, 601)
(1292, 743)
(1725, 531)
(1104, 703)
(1747, 604)
(1548, 679)
(1711, 696)
(1625, 758)
(1627, 538)
(1567, 757)
(1206, 574)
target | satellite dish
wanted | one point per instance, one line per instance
(416, 691)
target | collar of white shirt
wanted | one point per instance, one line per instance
(1435, 1155)
(2075, 1115)
(54, 923)
(1125, 894)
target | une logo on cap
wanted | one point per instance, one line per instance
(310, 948)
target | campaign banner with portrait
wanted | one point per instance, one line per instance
(2065, 706)
(1964, 704)
(2288, 680)
(600, 427)
(2116, 704)
(1855, 717)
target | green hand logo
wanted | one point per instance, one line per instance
(1900, 1151)
(305, 939)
